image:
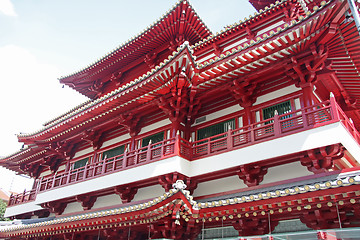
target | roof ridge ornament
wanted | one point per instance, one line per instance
(179, 185)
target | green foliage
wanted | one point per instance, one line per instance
(3, 206)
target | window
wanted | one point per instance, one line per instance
(113, 152)
(80, 163)
(281, 108)
(158, 137)
(215, 129)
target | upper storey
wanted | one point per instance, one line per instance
(141, 53)
(282, 45)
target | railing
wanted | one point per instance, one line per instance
(25, 196)
(280, 125)
(126, 160)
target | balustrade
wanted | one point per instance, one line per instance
(280, 125)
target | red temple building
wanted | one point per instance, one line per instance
(250, 133)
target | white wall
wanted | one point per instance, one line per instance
(149, 193)
(219, 185)
(107, 201)
(284, 172)
(73, 207)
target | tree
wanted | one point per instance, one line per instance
(2, 210)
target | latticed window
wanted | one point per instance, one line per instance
(215, 129)
(158, 137)
(113, 152)
(281, 108)
(80, 163)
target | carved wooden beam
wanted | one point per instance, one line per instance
(305, 69)
(87, 201)
(65, 150)
(243, 92)
(131, 123)
(252, 175)
(126, 193)
(254, 226)
(167, 181)
(150, 59)
(292, 12)
(251, 33)
(322, 159)
(53, 162)
(95, 138)
(96, 87)
(55, 207)
(34, 169)
(323, 218)
(116, 78)
(42, 213)
(217, 49)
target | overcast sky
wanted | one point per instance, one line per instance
(42, 40)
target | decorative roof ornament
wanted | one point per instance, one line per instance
(179, 185)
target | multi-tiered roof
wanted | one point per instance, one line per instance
(259, 52)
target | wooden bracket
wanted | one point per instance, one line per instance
(55, 207)
(42, 213)
(63, 149)
(131, 123)
(306, 68)
(167, 180)
(254, 226)
(126, 193)
(324, 218)
(96, 87)
(252, 175)
(243, 92)
(251, 33)
(322, 159)
(87, 201)
(95, 138)
(150, 59)
(217, 49)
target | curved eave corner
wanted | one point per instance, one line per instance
(108, 59)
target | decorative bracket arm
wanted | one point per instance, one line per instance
(167, 181)
(126, 193)
(55, 207)
(243, 93)
(93, 137)
(130, 123)
(87, 201)
(252, 175)
(322, 159)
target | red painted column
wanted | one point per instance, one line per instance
(175, 127)
(247, 117)
(307, 90)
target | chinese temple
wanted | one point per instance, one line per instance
(249, 133)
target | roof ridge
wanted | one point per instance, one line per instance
(134, 38)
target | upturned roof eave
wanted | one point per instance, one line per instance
(107, 60)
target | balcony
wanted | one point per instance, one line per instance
(318, 115)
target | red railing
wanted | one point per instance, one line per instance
(126, 160)
(23, 197)
(280, 125)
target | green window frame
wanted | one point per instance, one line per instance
(80, 163)
(113, 152)
(281, 108)
(215, 129)
(158, 137)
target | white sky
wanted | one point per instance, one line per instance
(43, 40)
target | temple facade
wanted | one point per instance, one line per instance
(249, 133)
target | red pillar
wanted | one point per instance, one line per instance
(307, 94)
